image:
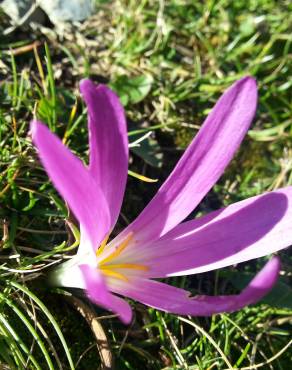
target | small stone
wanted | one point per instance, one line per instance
(60, 11)
(16, 8)
(22, 11)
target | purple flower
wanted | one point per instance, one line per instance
(156, 244)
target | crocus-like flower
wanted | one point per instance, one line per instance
(156, 244)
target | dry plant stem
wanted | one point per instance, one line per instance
(103, 346)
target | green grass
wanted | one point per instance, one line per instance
(169, 61)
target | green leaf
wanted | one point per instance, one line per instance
(248, 26)
(132, 90)
(31, 203)
(150, 151)
(52, 320)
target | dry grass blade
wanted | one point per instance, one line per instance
(271, 359)
(102, 342)
(211, 340)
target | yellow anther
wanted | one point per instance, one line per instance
(117, 251)
(115, 274)
(102, 246)
(131, 266)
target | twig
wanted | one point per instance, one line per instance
(102, 342)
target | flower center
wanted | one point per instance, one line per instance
(109, 266)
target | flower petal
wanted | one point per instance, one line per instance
(175, 300)
(108, 143)
(245, 230)
(97, 292)
(73, 181)
(202, 163)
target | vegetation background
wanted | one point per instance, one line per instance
(169, 61)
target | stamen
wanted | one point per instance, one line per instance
(117, 251)
(133, 266)
(109, 269)
(102, 246)
(111, 273)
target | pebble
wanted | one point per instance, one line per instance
(58, 11)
